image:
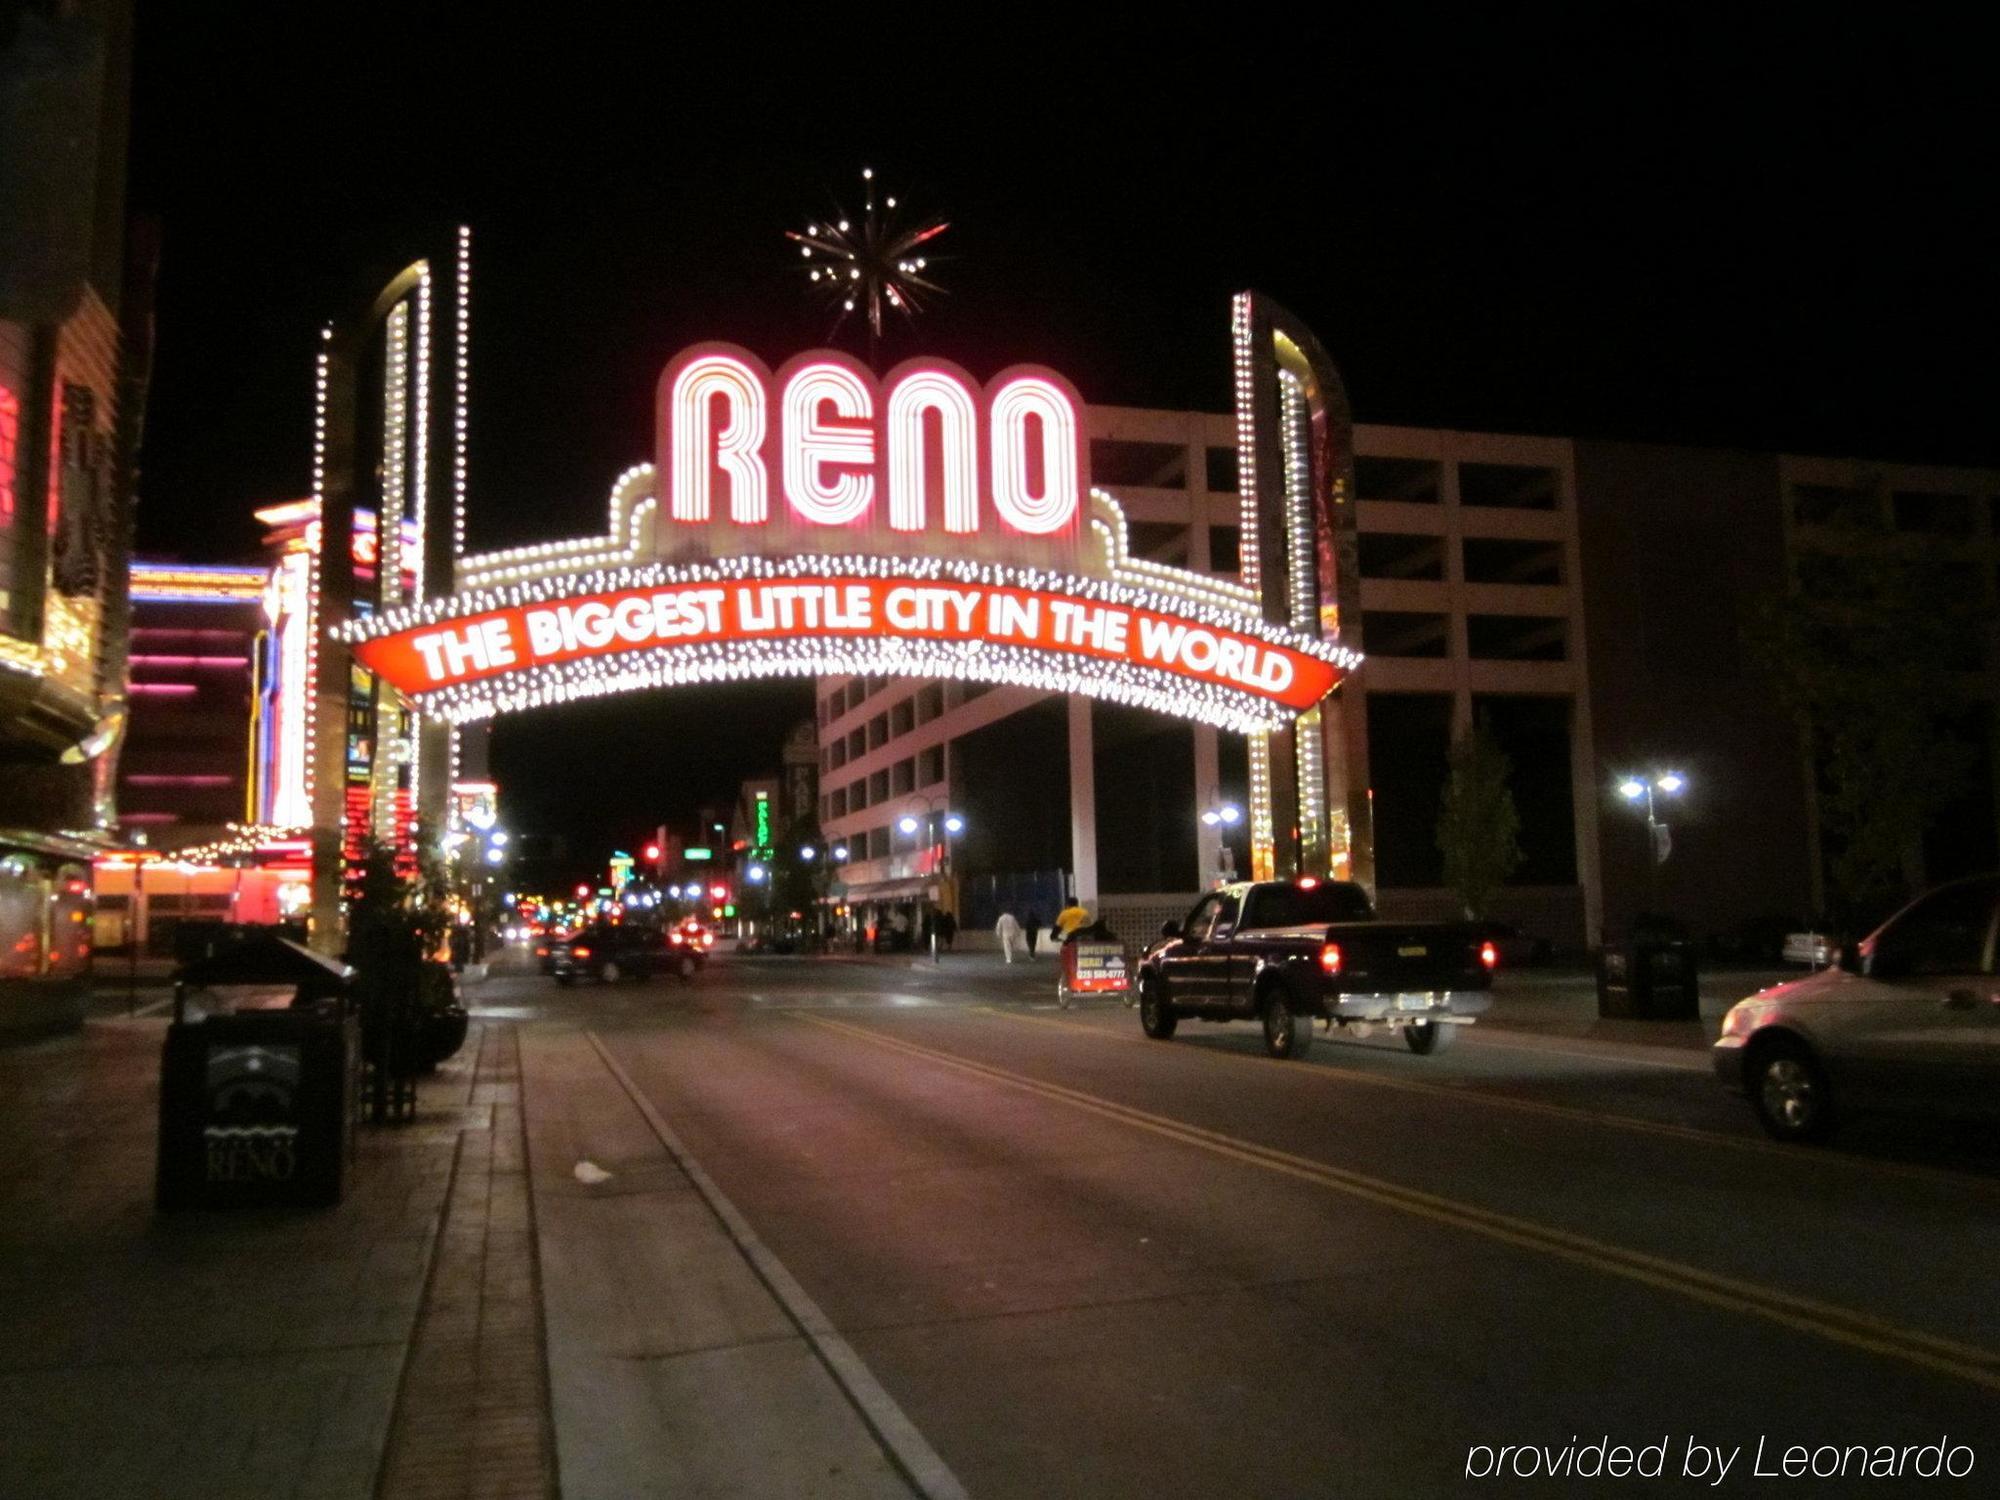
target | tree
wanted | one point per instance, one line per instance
(1478, 827)
(1865, 645)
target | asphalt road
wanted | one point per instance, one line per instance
(1086, 1263)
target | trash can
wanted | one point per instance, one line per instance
(259, 1107)
(1648, 980)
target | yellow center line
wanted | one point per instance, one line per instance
(1840, 1325)
(1795, 1155)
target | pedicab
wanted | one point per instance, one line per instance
(1094, 962)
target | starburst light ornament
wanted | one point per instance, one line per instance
(865, 265)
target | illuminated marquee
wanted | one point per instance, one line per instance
(818, 521)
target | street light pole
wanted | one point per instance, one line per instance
(1659, 840)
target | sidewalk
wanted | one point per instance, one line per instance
(435, 1334)
(251, 1354)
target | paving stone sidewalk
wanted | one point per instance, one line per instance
(255, 1353)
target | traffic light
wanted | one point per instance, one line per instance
(719, 892)
(582, 892)
(652, 854)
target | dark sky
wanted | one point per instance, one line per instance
(1770, 235)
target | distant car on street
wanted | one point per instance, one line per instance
(688, 943)
(609, 952)
(1908, 1020)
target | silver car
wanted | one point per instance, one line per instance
(1908, 1020)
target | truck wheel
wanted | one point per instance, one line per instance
(1287, 1031)
(1156, 1017)
(1426, 1037)
(610, 973)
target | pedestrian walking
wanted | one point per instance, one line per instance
(1034, 930)
(1009, 932)
(947, 927)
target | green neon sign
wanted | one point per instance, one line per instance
(697, 854)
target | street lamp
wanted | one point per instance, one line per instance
(1637, 789)
(1220, 815)
(840, 853)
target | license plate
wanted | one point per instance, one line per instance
(1413, 1002)
(1413, 952)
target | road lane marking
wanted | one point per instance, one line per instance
(898, 1435)
(1326, 1073)
(1486, 1038)
(1840, 1325)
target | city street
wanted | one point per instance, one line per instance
(1083, 1262)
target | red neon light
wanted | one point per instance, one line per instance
(837, 441)
(10, 447)
(478, 647)
(163, 689)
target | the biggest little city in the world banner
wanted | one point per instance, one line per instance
(820, 521)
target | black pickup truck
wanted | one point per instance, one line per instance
(1289, 951)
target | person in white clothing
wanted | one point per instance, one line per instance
(1009, 932)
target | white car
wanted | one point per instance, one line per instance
(1908, 1020)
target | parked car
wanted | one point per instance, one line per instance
(1909, 1019)
(1292, 952)
(609, 952)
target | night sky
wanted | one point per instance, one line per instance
(1777, 237)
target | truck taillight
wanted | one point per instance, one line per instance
(1489, 955)
(1329, 958)
(676, 938)
(579, 953)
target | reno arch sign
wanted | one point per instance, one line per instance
(816, 519)
(822, 453)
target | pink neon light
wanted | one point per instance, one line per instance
(1056, 506)
(736, 447)
(208, 663)
(149, 817)
(150, 779)
(811, 444)
(163, 690)
(916, 393)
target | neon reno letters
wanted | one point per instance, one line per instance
(820, 444)
(471, 648)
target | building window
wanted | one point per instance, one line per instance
(1832, 505)
(879, 846)
(836, 755)
(930, 702)
(857, 795)
(930, 766)
(836, 803)
(878, 731)
(903, 777)
(1143, 465)
(1395, 633)
(1222, 471)
(1412, 480)
(1492, 559)
(1514, 486)
(1225, 550)
(878, 787)
(1516, 638)
(1938, 515)
(902, 717)
(857, 745)
(1394, 554)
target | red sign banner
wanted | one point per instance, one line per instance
(494, 643)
